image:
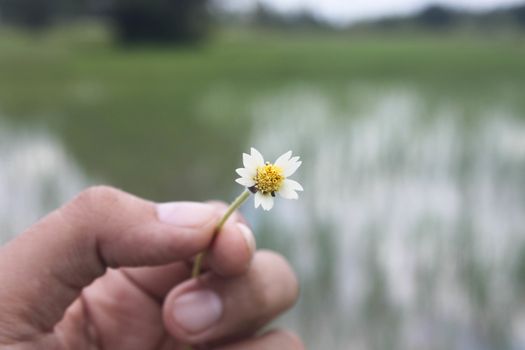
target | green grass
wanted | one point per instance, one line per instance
(135, 116)
(46, 67)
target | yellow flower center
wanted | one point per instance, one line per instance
(269, 178)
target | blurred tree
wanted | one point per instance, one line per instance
(266, 16)
(37, 14)
(436, 16)
(160, 20)
(32, 14)
(519, 14)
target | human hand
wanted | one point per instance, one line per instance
(110, 271)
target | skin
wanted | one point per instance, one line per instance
(106, 270)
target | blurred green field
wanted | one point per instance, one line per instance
(409, 232)
(130, 103)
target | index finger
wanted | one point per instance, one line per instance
(229, 255)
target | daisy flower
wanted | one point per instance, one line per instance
(266, 179)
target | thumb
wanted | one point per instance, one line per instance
(43, 270)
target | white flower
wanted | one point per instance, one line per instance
(266, 179)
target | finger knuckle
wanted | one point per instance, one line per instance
(90, 204)
(96, 196)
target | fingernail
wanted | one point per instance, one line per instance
(248, 236)
(186, 214)
(197, 311)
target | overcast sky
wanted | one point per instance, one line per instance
(347, 11)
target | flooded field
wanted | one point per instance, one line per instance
(410, 232)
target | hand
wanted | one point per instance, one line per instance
(111, 271)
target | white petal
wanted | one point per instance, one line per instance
(246, 182)
(249, 162)
(291, 167)
(257, 198)
(283, 160)
(257, 157)
(291, 184)
(241, 171)
(267, 202)
(288, 189)
(288, 193)
(247, 173)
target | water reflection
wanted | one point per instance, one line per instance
(409, 233)
(36, 175)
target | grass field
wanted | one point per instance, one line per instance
(130, 103)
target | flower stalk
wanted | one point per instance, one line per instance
(236, 204)
(197, 265)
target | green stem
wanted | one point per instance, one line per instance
(231, 209)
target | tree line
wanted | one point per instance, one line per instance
(133, 20)
(180, 21)
(437, 17)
